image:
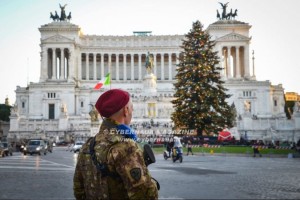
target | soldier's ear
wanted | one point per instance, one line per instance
(126, 111)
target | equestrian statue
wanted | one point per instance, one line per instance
(149, 63)
(63, 16)
(225, 15)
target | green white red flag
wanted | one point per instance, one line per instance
(104, 81)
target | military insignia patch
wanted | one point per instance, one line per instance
(136, 173)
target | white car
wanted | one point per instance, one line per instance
(77, 146)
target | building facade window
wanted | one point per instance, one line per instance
(51, 95)
(247, 93)
(51, 111)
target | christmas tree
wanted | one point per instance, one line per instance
(200, 98)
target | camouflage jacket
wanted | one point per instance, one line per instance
(124, 158)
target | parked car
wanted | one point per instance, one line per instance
(35, 147)
(62, 143)
(77, 146)
(8, 150)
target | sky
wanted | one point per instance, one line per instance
(275, 31)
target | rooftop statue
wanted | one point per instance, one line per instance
(218, 15)
(149, 63)
(234, 14)
(62, 13)
(224, 6)
(225, 15)
(63, 16)
(54, 17)
(69, 16)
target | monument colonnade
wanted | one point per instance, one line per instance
(234, 61)
(94, 66)
(126, 65)
(130, 66)
(57, 63)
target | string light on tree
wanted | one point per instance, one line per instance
(200, 96)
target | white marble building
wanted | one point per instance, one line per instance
(59, 105)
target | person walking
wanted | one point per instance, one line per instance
(256, 151)
(111, 164)
(189, 148)
(169, 148)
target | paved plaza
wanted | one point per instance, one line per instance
(229, 177)
(202, 176)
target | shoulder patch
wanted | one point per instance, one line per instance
(136, 174)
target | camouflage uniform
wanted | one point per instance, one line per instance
(124, 159)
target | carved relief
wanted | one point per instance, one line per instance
(233, 37)
(57, 38)
(247, 106)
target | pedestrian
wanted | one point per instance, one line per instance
(256, 151)
(189, 148)
(169, 148)
(70, 146)
(111, 164)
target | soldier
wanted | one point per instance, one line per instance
(111, 165)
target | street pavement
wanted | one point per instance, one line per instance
(229, 177)
(202, 176)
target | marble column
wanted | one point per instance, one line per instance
(229, 62)
(117, 67)
(154, 62)
(67, 64)
(221, 63)
(140, 67)
(225, 63)
(45, 65)
(79, 68)
(132, 67)
(102, 66)
(87, 69)
(109, 65)
(162, 67)
(124, 67)
(53, 63)
(62, 63)
(95, 66)
(68, 70)
(246, 61)
(170, 66)
(177, 62)
(238, 66)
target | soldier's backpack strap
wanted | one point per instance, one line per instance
(101, 167)
(149, 157)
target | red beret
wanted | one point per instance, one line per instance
(111, 102)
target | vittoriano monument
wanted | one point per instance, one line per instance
(63, 16)
(225, 15)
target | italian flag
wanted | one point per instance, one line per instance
(104, 81)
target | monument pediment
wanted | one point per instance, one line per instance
(57, 38)
(233, 37)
